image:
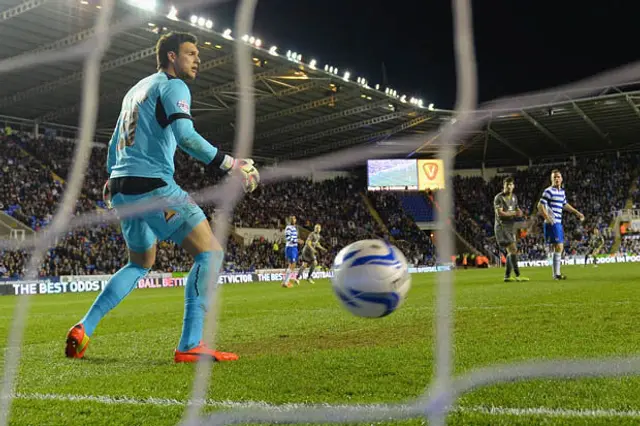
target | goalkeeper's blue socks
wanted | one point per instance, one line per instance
(117, 288)
(195, 298)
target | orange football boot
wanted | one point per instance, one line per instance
(77, 342)
(200, 351)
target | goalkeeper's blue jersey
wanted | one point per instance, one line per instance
(143, 143)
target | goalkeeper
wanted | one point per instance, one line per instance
(155, 119)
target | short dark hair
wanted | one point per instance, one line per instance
(171, 42)
(507, 180)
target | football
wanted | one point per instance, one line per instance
(371, 278)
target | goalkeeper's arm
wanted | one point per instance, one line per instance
(190, 141)
(196, 146)
(176, 102)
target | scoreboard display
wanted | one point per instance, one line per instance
(392, 175)
(405, 175)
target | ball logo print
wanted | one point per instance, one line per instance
(371, 278)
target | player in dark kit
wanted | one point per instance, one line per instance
(507, 210)
(596, 242)
(309, 252)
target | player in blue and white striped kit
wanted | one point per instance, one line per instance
(291, 250)
(551, 206)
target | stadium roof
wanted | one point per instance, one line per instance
(300, 110)
(568, 126)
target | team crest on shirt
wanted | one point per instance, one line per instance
(184, 106)
(170, 215)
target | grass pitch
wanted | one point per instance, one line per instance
(299, 346)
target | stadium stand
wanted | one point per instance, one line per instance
(416, 244)
(335, 204)
(630, 245)
(300, 111)
(33, 173)
(417, 206)
(597, 185)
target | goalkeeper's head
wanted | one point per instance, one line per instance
(177, 54)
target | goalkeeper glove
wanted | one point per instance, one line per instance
(249, 175)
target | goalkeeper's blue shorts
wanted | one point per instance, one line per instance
(171, 223)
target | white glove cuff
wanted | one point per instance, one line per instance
(228, 163)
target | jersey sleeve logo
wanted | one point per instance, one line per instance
(184, 106)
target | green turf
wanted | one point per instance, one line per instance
(298, 345)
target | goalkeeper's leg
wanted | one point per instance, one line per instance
(208, 256)
(118, 287)
(142, 253)
(186, 224)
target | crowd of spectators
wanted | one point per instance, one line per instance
(30, 191)
(27, 191)
(597, 186)
(336, 204)
(630, 245)
(416, 244)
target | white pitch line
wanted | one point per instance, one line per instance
(550, 412)
(488, 410)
